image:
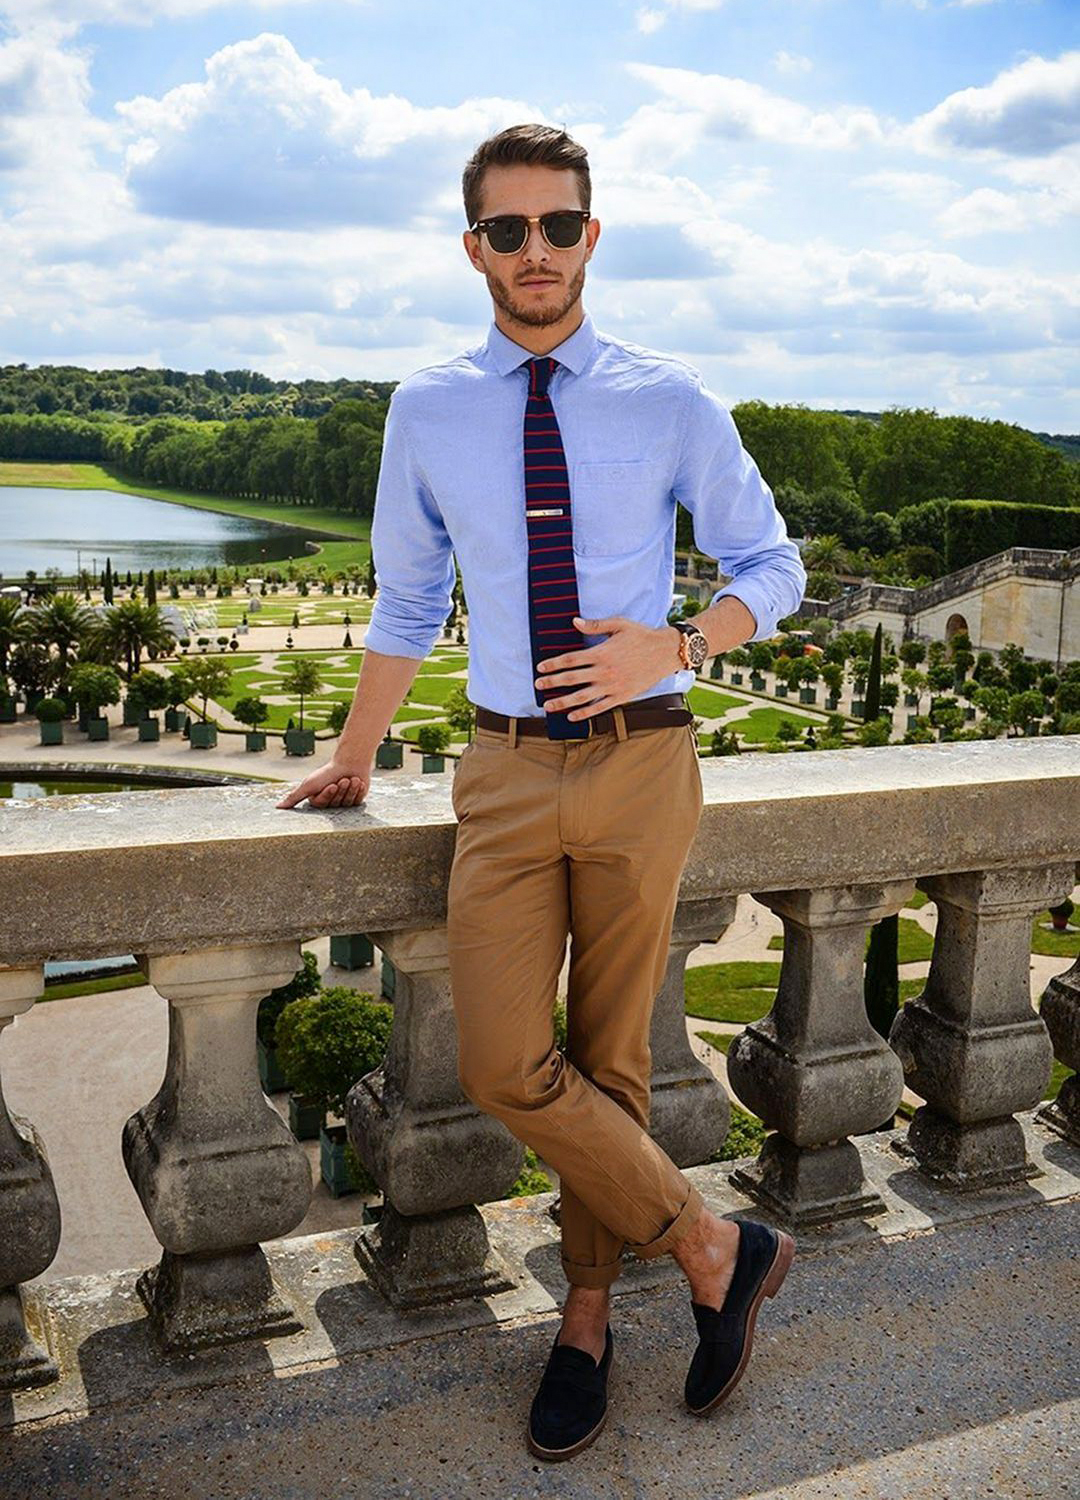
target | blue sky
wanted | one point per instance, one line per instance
(853, 203)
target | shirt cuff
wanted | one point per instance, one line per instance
(393, 645)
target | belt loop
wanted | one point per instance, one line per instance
(620, 722)
(512, 733)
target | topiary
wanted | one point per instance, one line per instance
(328, 1041)
(306, 981)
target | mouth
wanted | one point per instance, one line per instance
(537, 283)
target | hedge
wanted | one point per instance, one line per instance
(975, 529)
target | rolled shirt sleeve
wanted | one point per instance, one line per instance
(735, 516)
(412, 552)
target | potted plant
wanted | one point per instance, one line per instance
(433, 740)
(303, 678)
(1060, 914)
(809, 672)
(252, 712)
(7, 706)
(351, 950)
(388, 756)
(306, 981)
(208, 679)
(738, 659)
(93, 686)
(327, 1043)
(148, 691)
(762, 657)
(832, 673)
(51, 713)
(177, 690)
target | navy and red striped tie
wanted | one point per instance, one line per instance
(553, 593)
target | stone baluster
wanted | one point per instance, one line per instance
(215, 1166)
(1060, 1010)
(433, 1153)
(814, 1068)
(689, 1112)
(29, 1214)
(971, 1044)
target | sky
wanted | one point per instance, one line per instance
(840, 203)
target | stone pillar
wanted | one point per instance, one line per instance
(433, 1153)
(814, 1068)
(689, 1112)
(215, 1166)
(1061, 1011)
(971, 1044)
(29, 1214)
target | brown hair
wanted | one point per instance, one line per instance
(534, 145)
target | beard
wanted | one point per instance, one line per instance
(536, 312)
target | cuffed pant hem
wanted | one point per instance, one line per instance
(683, 1220)
(603, 1275)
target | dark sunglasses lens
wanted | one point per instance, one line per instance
(563, 230)
(507, 235)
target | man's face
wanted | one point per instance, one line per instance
(537, 285)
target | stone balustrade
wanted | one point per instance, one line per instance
(215, 890)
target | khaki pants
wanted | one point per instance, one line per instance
(586, 837)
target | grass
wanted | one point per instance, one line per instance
(710, 705)
(762, 723)
(914, 945)
(92, 986)
(736, 992)
(1054, 944)
(721, 1040)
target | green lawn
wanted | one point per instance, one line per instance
(708, 704)
(914, 944)
(762, 723)
(1055, 944)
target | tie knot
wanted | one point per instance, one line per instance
(540, 374)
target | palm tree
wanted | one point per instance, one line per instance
(130, 628)
(826, 554)
(12, 629)
(61, 621)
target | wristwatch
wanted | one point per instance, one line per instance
(693, 647)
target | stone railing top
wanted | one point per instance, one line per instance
(161, 871)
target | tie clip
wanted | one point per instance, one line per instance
(558, 511)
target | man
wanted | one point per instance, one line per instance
(549, 459)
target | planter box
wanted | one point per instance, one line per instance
(389, 755)
(7, 711)
(352, 951)
(52, 733)
(333, 1165)
(757, 682)
(172, 720)
(716, 671)
(305, 1118)
(911, 720)
(299, 742)
(255, 739)
(97, 728)
(387, 979)
(371, 1213)
(807, 695)
(969, 713)
(273, 1079)
(203, 736)
(832, 704)
(736, 679)
(911, 700)
(132, 714)
(857, 706)
(782, 690)
(432, 763)
(149, 729)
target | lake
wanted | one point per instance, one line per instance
(44, 528)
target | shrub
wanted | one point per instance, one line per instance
(330, 1040)
(50, 710)
(745, 1137)
(433, 738)
(975, 529)
(306, 981)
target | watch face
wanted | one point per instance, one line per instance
(699, 649)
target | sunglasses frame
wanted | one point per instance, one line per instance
(482, 224)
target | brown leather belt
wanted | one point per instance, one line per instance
(641, 713)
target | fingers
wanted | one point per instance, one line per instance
(343, 791)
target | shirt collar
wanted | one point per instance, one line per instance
(574, 352)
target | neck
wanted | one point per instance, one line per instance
(540, 340)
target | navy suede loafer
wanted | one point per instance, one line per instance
(570, 1405)
(725, 1336)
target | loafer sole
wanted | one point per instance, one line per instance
(554, 1454)
(771, 1283)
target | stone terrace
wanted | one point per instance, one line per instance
(922, 1345)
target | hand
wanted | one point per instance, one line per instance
(632, 658)
(332, 785)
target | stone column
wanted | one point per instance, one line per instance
(433, 1153)
(971, 1044)
(689, 1112)
(1060, 1010)
(215, 1166)
(29, 1214)
(814, 1068)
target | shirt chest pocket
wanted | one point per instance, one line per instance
(618, 507)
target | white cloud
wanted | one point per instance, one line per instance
(791, 62)
(649, 20)
(736, 109)
(1029, 110)
(920, 189)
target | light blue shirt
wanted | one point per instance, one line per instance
(640, 431)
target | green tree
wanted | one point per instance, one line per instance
(93, 686)
(208, 678)
(302, 677)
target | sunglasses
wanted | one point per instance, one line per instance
(508, 233)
